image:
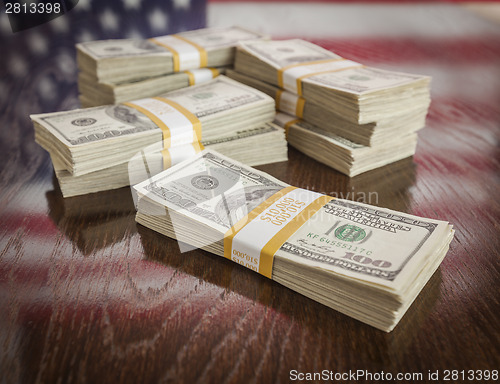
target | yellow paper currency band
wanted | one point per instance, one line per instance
(285, 68)
(166, 134)
(164, 129)
(215, 72)
(288, 125)
(192, 79)
(301, 78)
(229, 235)
(167, 157)
(299, 106)
(189, 115)
(201, 50)
(175, 54)
(272, 246)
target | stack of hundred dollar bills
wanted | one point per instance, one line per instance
(113, 71)
(367, 262)
(346, 115)
(108, 147)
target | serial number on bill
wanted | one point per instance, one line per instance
(34, 8)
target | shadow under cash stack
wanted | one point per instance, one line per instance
(94, 221)
(362, 117)
(113, 71)
(113, 146)
(367, 262)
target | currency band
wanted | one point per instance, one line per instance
(180, 128)
(286, 122)
(290, 103)
(291, 77)
(254, 240)
(201, 75)
(186, 54)
(175, 155)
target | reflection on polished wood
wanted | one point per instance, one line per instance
(89, 296)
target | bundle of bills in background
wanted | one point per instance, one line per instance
(93, 93)
(342, 154)
(112, 146)
(378, 109)
(113, 71)
(367, 262)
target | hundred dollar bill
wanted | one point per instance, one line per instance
(110, 61)
(88, 140)
(359, 93)
(367, 262)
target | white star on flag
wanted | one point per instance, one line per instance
(182, 4)
(83, 5)
(60, 24)
(85, 35)
(158, 20)
(37, 43)
(132, 4)
(109, 20)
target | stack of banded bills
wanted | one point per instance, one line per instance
(92, 148)
(340, 153)
(367, 262)
(112, 61)
(343, 99)
(261, 145)
(357, 93)
(376, 133)
(93, 93)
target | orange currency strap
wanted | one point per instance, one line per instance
(286, 121)
(288, 124)
(254, 240)
(291, 77)
(186, 54)
(181, 129)
(201, 75)
(290, 103)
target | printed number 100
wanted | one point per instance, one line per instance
(366, 260)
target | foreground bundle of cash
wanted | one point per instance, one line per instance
(367, 262)
(377, 133)
(93, 139)
(126, 60)
(262, 145)
(342, 154)
(93, 93)
(358, 93)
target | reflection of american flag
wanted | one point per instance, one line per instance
(45, 54)
(148, 306)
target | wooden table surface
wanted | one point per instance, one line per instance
(88, 296)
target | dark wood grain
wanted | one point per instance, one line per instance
(88, 296)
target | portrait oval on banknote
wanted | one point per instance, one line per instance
(130, 116)
(238, 204)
